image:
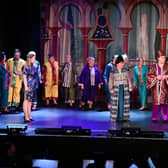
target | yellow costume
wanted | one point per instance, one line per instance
(15, 69)
(51, 80)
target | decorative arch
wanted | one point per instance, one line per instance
(157, 3)
(56, 9)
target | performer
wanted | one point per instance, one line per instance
(39, 80)
(120, 86)
(51, 77)
(69, 80)
(140, 79)
(109, 67)
(30, 74)
(4, 83)
(157, 81)
(90, 79)
(15, 66)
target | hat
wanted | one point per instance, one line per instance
(31, 54)
(124, 56)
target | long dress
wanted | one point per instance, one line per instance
(90, 78)
(51, 79)
(140, 77)
(31, 75)
(159, 91)
(4, 86)
(120, 83)
(109, 67)
(69, 82)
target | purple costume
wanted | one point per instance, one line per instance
(159, 91)
(89, 91)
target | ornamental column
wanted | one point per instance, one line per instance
(54, 36)
(85, 31)
(163, 33)
(125, 32)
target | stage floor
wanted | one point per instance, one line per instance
(94, 120)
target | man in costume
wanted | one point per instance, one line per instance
(4, 83)
(39, 80)
(69, 80)
(120, 86)
(109, 67)
(15, 67)
(51, 79)
(90, 79)
(140, 79)
(157, 81)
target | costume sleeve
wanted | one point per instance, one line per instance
(44, 72)
(7, 63)
(151, 77)
(135, 76)
(39, 72)
(24, 70)
(166, 75)
(82, 76)
(111, 81)
(100, 81)
(105, 74)
(129, 79)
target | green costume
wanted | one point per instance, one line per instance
(140, 78)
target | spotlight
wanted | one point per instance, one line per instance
(16, 128)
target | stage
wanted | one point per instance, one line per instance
(96, 120)
(78, 147)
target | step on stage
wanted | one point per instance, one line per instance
(98, 140)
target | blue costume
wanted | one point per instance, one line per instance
(31, 75)
(140, 77)
(4, 86)
(109, 67)
(86, 79)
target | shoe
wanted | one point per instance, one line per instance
(31, 119)
(26, 121)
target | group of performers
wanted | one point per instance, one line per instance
(116, 80)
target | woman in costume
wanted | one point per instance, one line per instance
(157, 81)
(140, 79)
(4, 83)
(120, 86)
(30, 74)
(69, 74)
(90, 79)
(51, 79)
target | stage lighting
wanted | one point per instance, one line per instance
(64, 130)
(135, 132)
(16, 128)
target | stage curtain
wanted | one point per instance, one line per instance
(70, 38)
(144, 40)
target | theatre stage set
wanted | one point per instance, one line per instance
(71, 27)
